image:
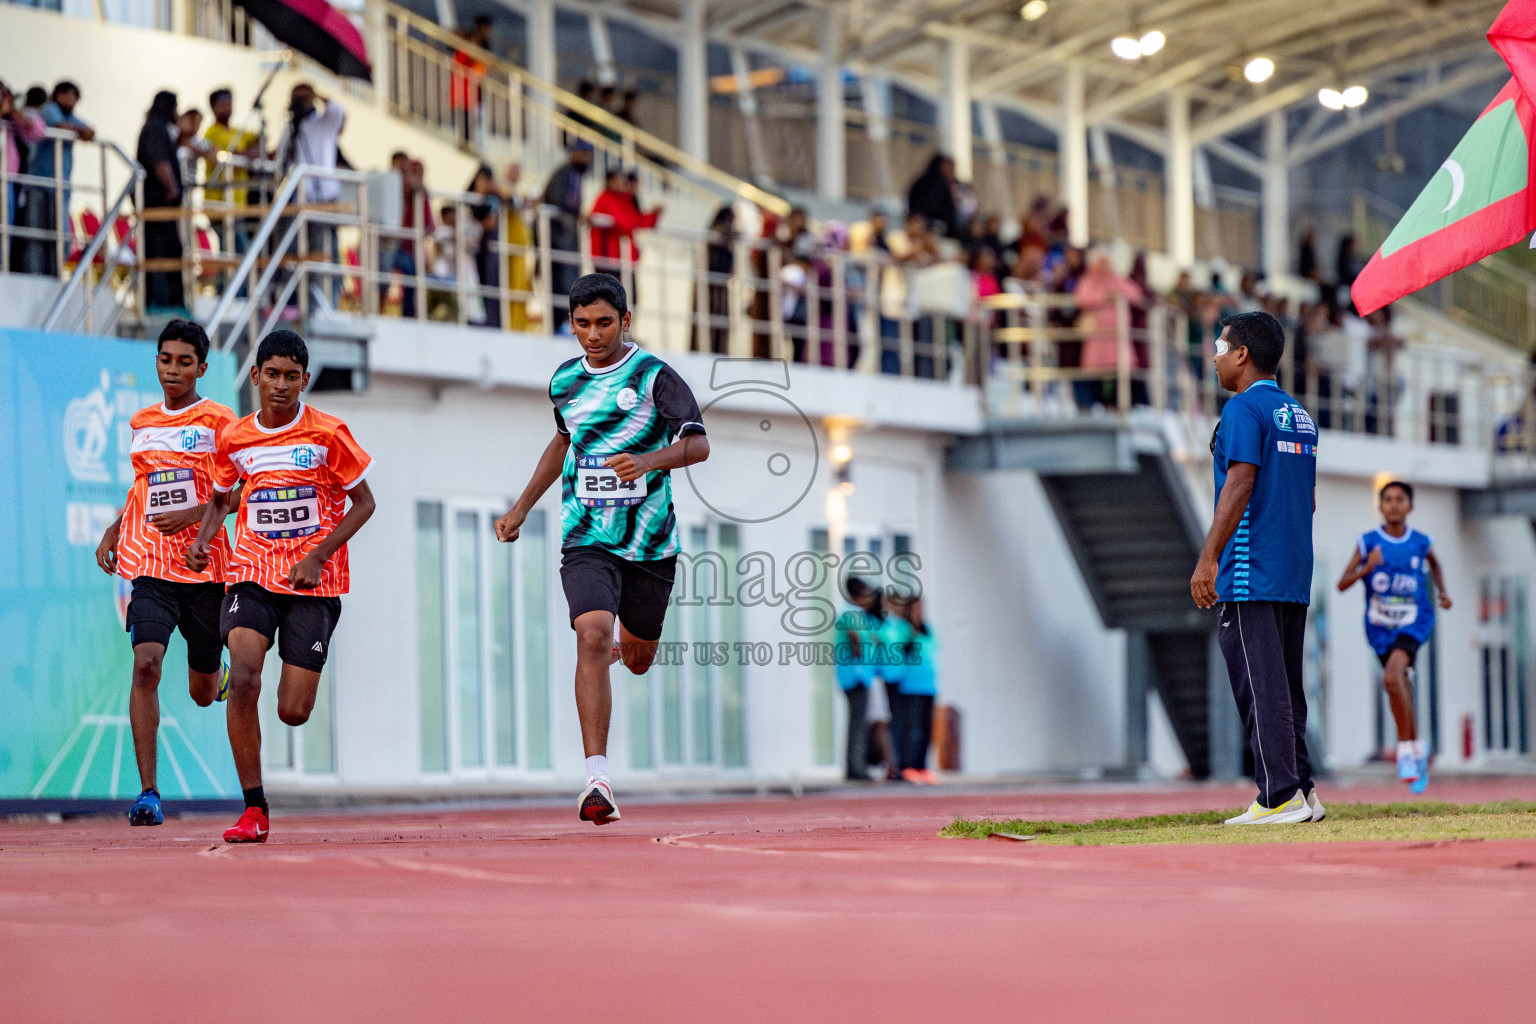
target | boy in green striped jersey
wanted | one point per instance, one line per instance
(623, 420)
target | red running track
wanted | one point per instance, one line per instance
(832, 908)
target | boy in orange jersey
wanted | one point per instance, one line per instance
(172, 455)
(288, 566)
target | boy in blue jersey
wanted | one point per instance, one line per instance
(623, 421)
(1399, 615)
(1256, 563)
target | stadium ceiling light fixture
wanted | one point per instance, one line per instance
(1151, 42)
(1260, 69)
(1034, 10)
(1125, 48)
(1331, 98)
(1355, 96)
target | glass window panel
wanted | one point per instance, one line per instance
(671, 699)
(429, 636)
(733, 704)
(318, 735)
(534, 542)
(700, 677)
(466, 586)
(823, 712)
(503, 683)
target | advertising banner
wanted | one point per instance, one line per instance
(65, 660)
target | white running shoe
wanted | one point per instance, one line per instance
(596, 803)
(1292, 811)
(1408, 767)
(1319, 812)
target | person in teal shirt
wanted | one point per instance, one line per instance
(909, 637)
(856, 632)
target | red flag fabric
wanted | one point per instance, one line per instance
(1482, 199)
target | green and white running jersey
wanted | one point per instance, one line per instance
(635, 406)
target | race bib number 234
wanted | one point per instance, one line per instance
(599, 486)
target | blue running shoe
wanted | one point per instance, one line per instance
(146, 810)
(223, 693)
(1421, 783)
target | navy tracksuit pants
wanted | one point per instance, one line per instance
(1263, 644)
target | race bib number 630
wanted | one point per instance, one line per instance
(283, 512)
(599, 486)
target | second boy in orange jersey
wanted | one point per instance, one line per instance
(288, 566)
(172, 456)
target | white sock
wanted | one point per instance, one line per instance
(1420, 748)
(597, 766)
(1403, 747)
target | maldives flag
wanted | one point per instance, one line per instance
(1481, 200)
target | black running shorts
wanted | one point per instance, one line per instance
(160, 607)
(302, 626)
(1402, 642)
(636, 592)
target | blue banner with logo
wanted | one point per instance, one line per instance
(65, 660)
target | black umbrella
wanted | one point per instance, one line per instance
(317, 30)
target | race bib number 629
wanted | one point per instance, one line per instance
(170, 490)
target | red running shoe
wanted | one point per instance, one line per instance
(252, 827)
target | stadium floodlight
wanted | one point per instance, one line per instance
(1034, 10)
(1355, 96)
(1260, 69)
(1151, 43)
(1125, 48)
(1331, 98)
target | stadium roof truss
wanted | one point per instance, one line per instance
(1059, 70)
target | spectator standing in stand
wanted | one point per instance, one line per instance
(19, 131)
(615, 218)
(519, 279)
(312, 137)
(43, 206)
(487, 212)
(563, 192)
(226, 139)
(156, 153)
(1098, 293)
(464, 88)
(932, 196)
(721, 256)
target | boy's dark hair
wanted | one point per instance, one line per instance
(220, 94)
(63, 87)
(285, 344)
(599, 288)
(188, 332)
(1261, 334)
(856, 587)
(36, 96)
(1406, 488)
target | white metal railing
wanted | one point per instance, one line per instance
(39, 235)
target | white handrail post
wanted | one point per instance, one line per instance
(1122, 354)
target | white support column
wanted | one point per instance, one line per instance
(831, 179)
(746, 102)
(1072, 152)
(602, 49)
(541, 40)
(1104, 170)
(1179, 180)
(956, 110)
(1276, 223)
(693, 82)
(876, 96)
(997, 154)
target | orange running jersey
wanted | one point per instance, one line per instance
(172, 456)
(296, 479)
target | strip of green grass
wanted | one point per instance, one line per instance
(1421, 820)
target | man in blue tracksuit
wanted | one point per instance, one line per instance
(1256, 565)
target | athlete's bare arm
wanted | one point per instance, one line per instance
(550, 466)
(178, 520)
(305, 573)
(1229, 513)
(106, 551)
(219, 506)
(1434, 572)
(1358, 570)
(685, 451)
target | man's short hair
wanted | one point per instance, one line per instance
(599, 288)
(64, 87)
(188, 332)
(285, 344)
(220, 94)
(1261, 334)
(1405, 487)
